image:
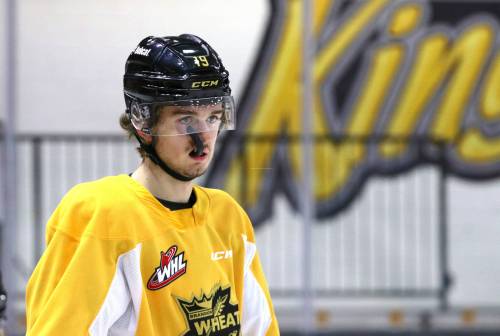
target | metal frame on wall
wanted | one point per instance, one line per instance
(307, 201)
(9, 226)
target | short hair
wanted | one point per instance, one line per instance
(126, 125)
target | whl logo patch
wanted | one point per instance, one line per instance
(172, 266)
(212, 314)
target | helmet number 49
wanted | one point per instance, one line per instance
(200, 61)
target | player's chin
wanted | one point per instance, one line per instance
(194, 173)
(198, 168)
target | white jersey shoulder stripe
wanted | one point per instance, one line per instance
(119, 312)
(256, 314)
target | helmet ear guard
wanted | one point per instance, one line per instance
(140, 116)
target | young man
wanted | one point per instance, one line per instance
(151, 253)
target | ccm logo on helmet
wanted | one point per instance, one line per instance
(207, 83)
(142, 51)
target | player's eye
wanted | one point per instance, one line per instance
(213, 119)
(187, 120)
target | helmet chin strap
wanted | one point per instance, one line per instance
(151, 153)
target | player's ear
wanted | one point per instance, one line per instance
(145, 137)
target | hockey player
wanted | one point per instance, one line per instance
(152, 253)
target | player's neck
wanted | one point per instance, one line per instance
(162, 185)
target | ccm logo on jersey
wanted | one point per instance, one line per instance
(222, 255)
(172, 267)
(207, 83)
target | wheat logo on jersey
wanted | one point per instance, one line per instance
(212, 314)
(171, 267)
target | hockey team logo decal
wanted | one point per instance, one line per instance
(142, 51)
(171, 267)
(211, 315)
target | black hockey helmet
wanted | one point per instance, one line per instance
(174, 68)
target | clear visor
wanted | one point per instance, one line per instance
(185, 116)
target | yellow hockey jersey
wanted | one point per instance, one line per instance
(118, 262)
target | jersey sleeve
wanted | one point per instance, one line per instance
(74, 287)
(258, 312)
